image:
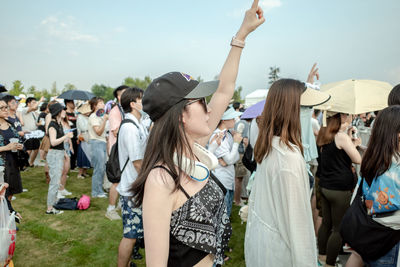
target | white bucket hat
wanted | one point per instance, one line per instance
(230, 114)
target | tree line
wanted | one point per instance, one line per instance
(106, 91)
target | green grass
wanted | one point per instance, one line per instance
(79, 238)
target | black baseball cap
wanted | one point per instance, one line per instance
(171, 88)
(119, 88)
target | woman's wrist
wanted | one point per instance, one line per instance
(241, 35)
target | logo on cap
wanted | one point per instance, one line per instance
(187, 77)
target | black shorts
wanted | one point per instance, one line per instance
(32, 144)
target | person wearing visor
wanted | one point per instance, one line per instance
(178, 194)
(280, 229)
(227, 153)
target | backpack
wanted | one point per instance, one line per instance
(113, 170)
(67, 204)
(84, 202)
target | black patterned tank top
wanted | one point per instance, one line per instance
(200, 226)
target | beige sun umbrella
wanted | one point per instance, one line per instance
(356, 96)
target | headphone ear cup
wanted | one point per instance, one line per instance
(205, 156)
(196, 170)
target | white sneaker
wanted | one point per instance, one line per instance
(59, 195)
(24, 190)
(113, 215)
(118, 205)
(13, 198)
(53, 211)
(79, 176)
(64, 192)
(100, 196)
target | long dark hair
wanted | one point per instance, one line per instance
(327, 134)
(281, 117)
(394, 96)
(166, 137)
(383, 144)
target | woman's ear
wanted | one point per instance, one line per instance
(183, 118)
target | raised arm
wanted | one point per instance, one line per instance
(220, 100)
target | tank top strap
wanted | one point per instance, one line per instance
(172, 175)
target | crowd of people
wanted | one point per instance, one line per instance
(181, 166)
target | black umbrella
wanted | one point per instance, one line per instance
(76, 95)
(2, 88)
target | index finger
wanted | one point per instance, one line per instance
(255, 4)
(313, 67)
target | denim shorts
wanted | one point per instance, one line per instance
(131, 219)
(388, 260)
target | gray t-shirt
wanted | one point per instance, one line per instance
(29, 119)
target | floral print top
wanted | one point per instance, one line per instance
(384, 193)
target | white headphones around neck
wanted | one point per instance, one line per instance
(198, 170)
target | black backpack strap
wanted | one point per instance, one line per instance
(122, 122)
(172, 175)
(126, 163)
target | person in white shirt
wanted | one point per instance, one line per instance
(29, 119)
(314, 122)
(131, 140)
(227, 154)
(279, 227)
(97, 144)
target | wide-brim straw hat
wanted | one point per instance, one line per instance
(312, 97)
(84, 108)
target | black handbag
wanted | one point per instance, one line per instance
(248, 160)
(22, 159)
(367, 237)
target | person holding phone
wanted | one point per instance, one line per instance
(56, 154)
(9, 145)
(97, 142)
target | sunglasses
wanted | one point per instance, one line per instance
(203, 102)
(3, 108)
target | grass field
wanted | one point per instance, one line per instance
(79, 238)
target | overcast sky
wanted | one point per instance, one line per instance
(98, 41)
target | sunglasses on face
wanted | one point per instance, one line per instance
(202, 100)
(3, 108)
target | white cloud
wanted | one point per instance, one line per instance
(266, 6)
(119, 29)
(65, 29)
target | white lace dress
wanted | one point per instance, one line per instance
(280, 228)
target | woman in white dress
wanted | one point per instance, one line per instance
(280, 228)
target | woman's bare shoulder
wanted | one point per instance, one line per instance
(160, 178)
